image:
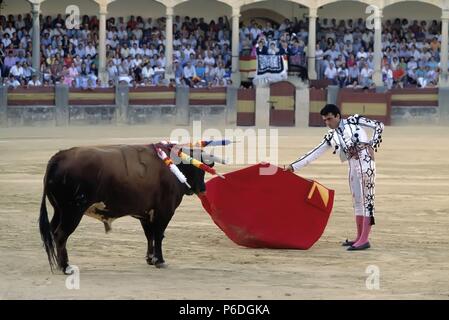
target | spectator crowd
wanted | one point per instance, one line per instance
(135, 51)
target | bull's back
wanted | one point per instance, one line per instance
(124, 177)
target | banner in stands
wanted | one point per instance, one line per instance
(271, 68)
(269, 64)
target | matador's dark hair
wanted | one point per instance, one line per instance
(330, 108)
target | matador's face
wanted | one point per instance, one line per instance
(331, 120)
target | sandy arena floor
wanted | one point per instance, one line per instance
(410, 240)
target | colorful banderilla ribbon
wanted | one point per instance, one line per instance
(173, 168)
(186, 158)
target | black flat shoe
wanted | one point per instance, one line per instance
(347, 243)
(362, 247)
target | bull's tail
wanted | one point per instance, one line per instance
(44, 225)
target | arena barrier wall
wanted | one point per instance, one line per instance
(318, 99)
(414, 106)
(207, 104)
(151, 104)
(30, 106)
(376, 106)
(92, 106)
(248, 67)
(282, 104)
(246, 107)
(61, 106)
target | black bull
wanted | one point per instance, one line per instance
(108, 182)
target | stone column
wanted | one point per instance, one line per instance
(102, 74)
(311, 46)
(444, 49)
(169, 72)
(377, 76)
(36, 40)
(235, 76)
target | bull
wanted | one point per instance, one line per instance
(109, 182)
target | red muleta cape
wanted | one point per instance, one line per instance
(280, 210)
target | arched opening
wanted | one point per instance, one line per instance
(342, 10)
(412, 10)
(262, 16)
(272, 11)
(145, 9)
(207, 9)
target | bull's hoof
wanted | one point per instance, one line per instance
(150, 261)
(161, 265)
(158, 263)
(68, 270)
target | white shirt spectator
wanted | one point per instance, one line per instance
(112, 43)
(412, 65)
(124, 52)
(10, 31)
(367, 37)
(319, 54)
(74, 41)
(388, 73)
(133, 51)
(159, 70)
(209, 60)
(189, 72)
(112, 72)
(177, 42)
(162, 61)
(188, 51)
(148, 24)
(138, 33)
(361, 55)
(147, 72)
(90, 50)
(177, 54)
(137, 62)
(6, 42)
(16, 71)
(13, 83)
(27, 72)
(342, 72)
(147, 52)
(366, 72)
(330, 73)
(348, 37)
(34, 83)
(19, 24)
(122, 35)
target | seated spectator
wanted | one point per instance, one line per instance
(34, 82)
(331, 73)
(189, 73)
(13, 82)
